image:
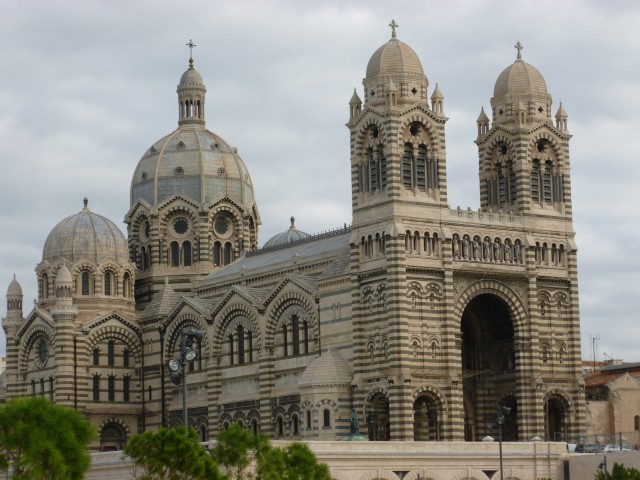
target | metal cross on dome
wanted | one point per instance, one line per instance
(518, 46)
(191, 45)
(393, 26)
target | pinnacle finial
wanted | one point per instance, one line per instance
(191, 46)
(518, 46)
(85, 201)
(393, 26)
(293, 223)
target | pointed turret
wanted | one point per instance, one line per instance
(355, 105)
(561, 119)
(437, 101)
(483, 123)
(64, 289)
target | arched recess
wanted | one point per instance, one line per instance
(491, 318)
(283, 308)
(557, 415)
(116, 332)
(229, 318)
(429, 408)
(114, 433)
(377, 417)
(172, 345)
(30, 340)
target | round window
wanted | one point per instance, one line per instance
(145, 231)
(221, 225)
(42, 355)
(181, 225)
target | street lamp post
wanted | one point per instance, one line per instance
(189, 337)
(502, 412)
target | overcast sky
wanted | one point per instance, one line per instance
(87, 86)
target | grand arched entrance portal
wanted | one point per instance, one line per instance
(378, 418)
(488, 366)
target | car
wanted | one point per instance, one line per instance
(616, 448)
(587, 448)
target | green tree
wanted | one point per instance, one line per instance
(237, 449)
(620, 472)
(43, 441)
(245, 456)
(170, 454)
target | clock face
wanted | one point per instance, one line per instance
(181, 225)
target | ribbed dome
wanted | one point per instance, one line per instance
(290, 235)
(14, 289)
(191, 78)
(86, 236)
(394, 57)
(193, 162)
(520, 78)
(63, 277)
(328, 369)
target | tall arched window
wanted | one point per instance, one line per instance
(125, 388)
(96, 356)
(111, 388)
(230, 349)
(240, 345)
(125, 357)
(217, 254)
(85, 279)
(250, 345)
(228, 253)
(111, 353)
(636, 422)
(284, 341)
(96, 388)
(186, 253)
(175, 254)
(108, 278)
(295, 333)
(126, 285)
(143, 258)
(45, 286)
(326, 418)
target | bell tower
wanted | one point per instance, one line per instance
(524, 157)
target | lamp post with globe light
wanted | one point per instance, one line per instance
(189, 338)
(503, 411)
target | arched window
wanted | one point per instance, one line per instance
(305, 326)
(108, 278)
(85, 278)
(326, 418)
(126, 380)
(126, 285)
(51, 388)
(230, 349)
(296, 425)
(111, 388)
(228, 254)
(96, 356)
(254, 426)
(175, 254)
(42, 386)
(217, 254)
(407, 166)
(636, 422)
(284, 341)
(125, 357)
(280, 427)
(250, 344)
(295, 332)
(309, 420)
(143, 258)
(111, 353)
(45, 286)
(240, 345)
(186, 253)
(96, 388)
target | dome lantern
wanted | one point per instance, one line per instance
(191, 95)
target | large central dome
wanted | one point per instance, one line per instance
(192, 161)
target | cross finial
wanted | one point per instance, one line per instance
(190, 45)
(393, 26)
(518, 46)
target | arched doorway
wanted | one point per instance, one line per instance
(426, 421)
(378, 418)
(555, 419)
(112, 437)
(488, 364)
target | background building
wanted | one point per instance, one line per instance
(419, 317)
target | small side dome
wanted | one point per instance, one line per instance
(63, 277)
(328, 369)
(86, 236)
(14, 289)
(290, 235)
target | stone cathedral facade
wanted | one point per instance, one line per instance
(419, 317)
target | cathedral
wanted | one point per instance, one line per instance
(418, 319)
